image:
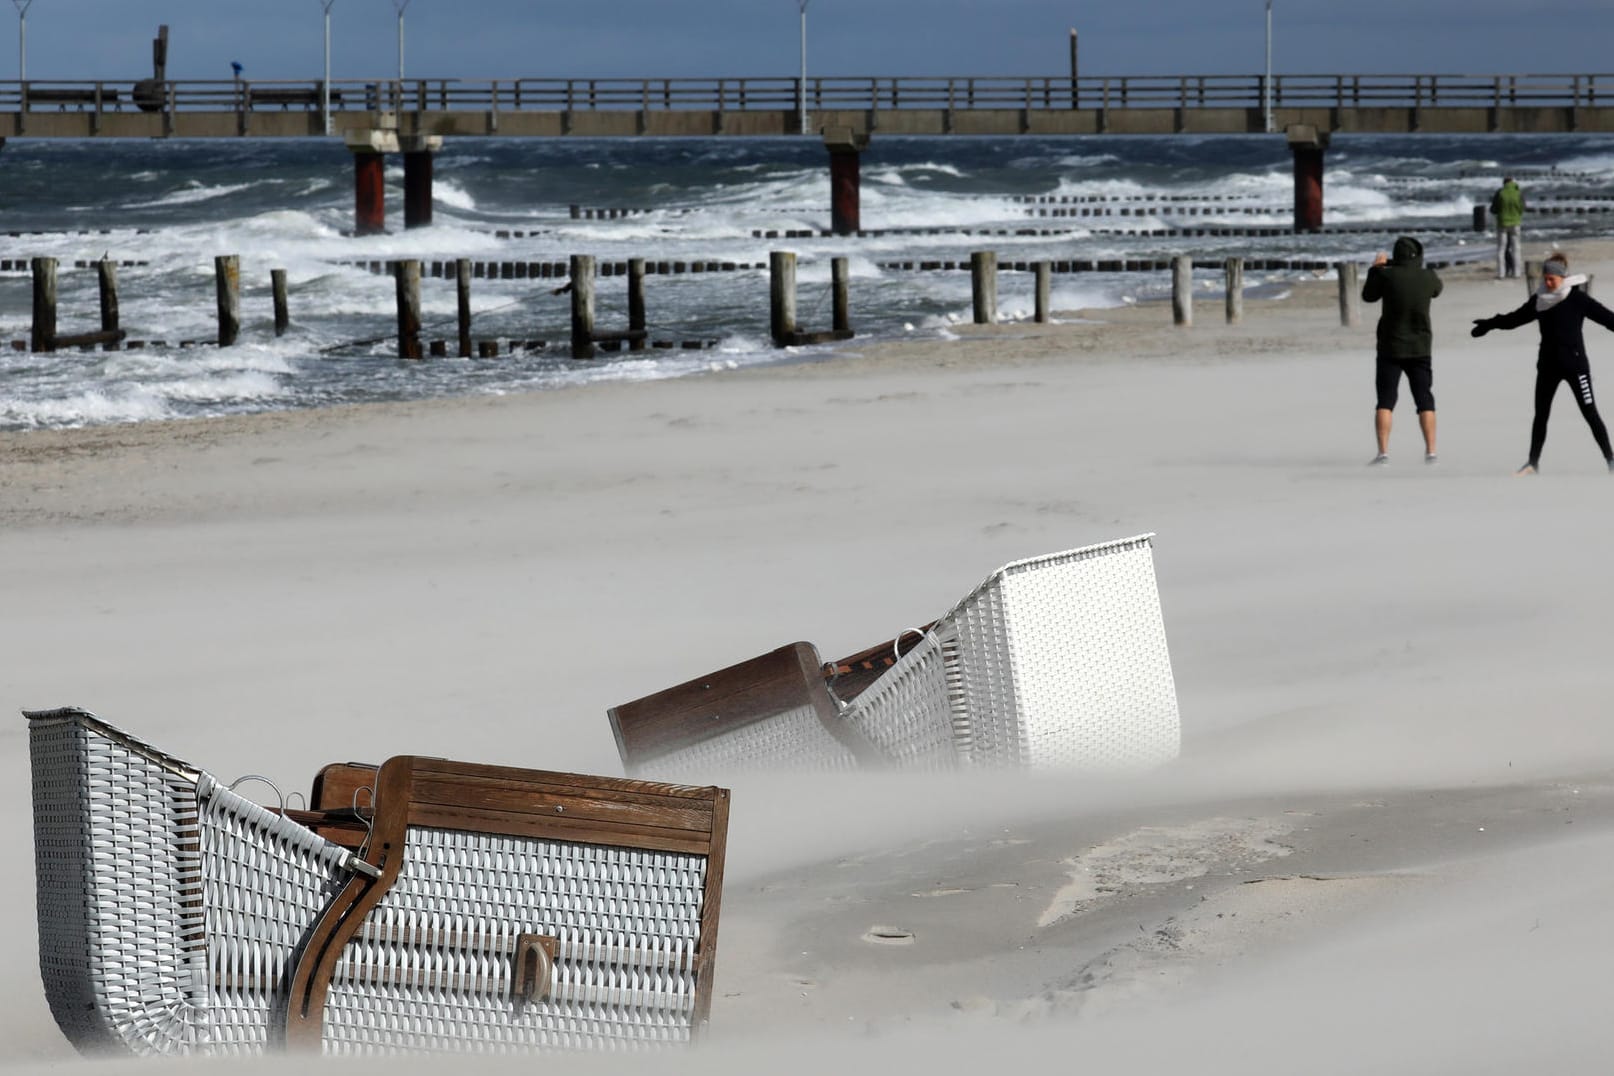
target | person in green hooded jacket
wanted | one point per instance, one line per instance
(1507, 206)
(1405, 340)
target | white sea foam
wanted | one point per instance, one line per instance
(86, 407)
(448, 193)
(192, 194)
(243, 386)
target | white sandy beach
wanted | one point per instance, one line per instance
(1386, 847)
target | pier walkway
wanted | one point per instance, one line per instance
(961, 105)
(413, 116)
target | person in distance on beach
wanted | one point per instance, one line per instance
(1405, 339)
(1560, 310)
(1507, 206)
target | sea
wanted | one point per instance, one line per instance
(164, 209)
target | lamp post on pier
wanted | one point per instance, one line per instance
(22, 38)
(801, 93)
(325, 85)
(1266, 83)
(400, 5)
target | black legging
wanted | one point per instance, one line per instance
(1580, 382)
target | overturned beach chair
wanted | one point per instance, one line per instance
(419, 905)
(1058, 661)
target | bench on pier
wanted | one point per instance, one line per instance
(286, 97)
(65, 97)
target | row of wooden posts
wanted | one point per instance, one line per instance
(587, 338)
(44, 337)
(983, 279)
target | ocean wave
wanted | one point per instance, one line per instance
(448, 193)
(193, 194)
(87, 407)
(231, 388)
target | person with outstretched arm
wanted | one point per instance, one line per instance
(1405, 340)
(1559, 310)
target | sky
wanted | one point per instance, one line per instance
(483, 39)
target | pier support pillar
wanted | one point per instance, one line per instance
(1308, 144)
(845, 148)
(369, 194)
(369, 185)
(417, 154)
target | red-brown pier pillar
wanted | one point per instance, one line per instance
(417, 154)
(369, 194)
(369, 179)
(845, 203)
(1308, 145)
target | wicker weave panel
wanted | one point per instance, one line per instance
(1061, 661)
(793, 739)
(1056, 661)
(907, 713)
(119, 916)
(980, 667)
(432, 967)
(1090, 667)
(264, 881)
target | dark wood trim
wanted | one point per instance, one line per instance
(342, 917)
(711, 905)
(713, 705)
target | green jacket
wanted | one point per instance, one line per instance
(1407, 289)
(1507, 205)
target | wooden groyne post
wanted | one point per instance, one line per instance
(227, 285)
(636, 310)
(1348, 293)
(782, 297)
(43, 334)
(107, 279)
(984, 286)
(1233, 269)
(582, 268)
(277, 284)
(841, 286)
(782, 325)
(462, 294)
(1044, 279)
(407, 276)
(1182, 290)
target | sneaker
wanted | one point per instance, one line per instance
(1379, 461)
(1528, 468)
(1430, 458)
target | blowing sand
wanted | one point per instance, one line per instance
(1389, 841)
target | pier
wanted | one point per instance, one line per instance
(412, 117)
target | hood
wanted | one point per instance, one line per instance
(1407, 251)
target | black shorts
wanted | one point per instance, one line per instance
(1387, 379)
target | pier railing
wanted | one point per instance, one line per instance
(838, 93)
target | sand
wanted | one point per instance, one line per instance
(1386, 844)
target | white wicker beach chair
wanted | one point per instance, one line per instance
(471, 908)
(1058, 661)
